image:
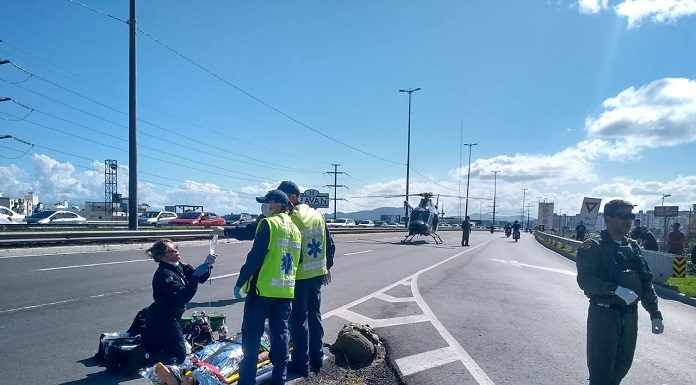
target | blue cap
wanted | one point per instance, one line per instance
(289, 187)
(275, 196)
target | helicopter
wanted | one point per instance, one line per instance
(424, 218)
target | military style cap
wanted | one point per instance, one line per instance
(275, 196)
(289, 187)
(612, 207)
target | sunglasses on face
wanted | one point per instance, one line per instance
(625, 217)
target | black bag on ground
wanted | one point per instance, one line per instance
(123, 351)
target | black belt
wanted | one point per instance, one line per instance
(618, 307)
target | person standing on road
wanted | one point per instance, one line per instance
(268, 278)
(675, 240)
(615, 276)
(637, 230)
(580, 231)
(314, 271)
(649, 242)
(173, 285)
(466, 231)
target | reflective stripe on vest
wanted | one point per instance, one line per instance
(276, 278)
(312, 226)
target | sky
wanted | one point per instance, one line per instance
(567, 99)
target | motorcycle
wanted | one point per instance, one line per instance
(508, 231)
(516, 235)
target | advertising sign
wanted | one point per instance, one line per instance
(589, 211)
(546, 215)
(666, 211)
(315, 199)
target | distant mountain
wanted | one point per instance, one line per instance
(374, 214)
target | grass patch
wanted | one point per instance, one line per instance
(686, 285)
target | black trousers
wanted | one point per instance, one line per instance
(164, 338)
(611, 342)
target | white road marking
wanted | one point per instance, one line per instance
(37, 306)
(389, 298)
(455, 349)
(426, 360)
(223, 276)
(359, 252)
(91, 265)
(517, 264)
(108, 294)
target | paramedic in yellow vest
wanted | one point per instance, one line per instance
(316, 260)
(268, 279)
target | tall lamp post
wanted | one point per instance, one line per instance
(408, 148)
(495, 187)
(524, 195)
(468, 174)
(663, 213)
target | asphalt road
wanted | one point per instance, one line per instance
(498, 312)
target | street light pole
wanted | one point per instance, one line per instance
(408, 149)
(524, 195)
(495, 187)
(664, 229)
(468, 174)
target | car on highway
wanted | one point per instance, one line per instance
(341, 222)
(155, 217)
(9, 216)
(238, 219)
(198, 218)
(55, 217)
(366, 223)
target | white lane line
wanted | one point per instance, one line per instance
(354, 317)
(389, 298)
(471, 365)
(359, 252)
(108, 294)
(381, 322)
(518, 264)
(426, 360)
(37, 306)
(92, 264)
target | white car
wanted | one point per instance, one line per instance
(156, 217)
(341, 222)
(9, 217)
(366, 223)
(57, 217)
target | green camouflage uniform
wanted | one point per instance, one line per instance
(612, 326)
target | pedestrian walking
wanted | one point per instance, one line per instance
(268, 279)
(615, 276)
(466, 231)
(313, 272)
(675, 240)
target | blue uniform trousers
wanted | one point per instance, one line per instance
(305, 324)
(164, 338)
(256, 311)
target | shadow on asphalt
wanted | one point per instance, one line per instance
(102, 377)
(218, 303)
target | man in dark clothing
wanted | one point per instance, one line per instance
(637, 230)
(580, 231)
(675, 240)
(466, 231)
(648, 239)
(615, 276)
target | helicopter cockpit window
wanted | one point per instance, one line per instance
(420, 215)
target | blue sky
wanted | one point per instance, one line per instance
(565, 98)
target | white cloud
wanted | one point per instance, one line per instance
(662, 113)
(592, 6)
(658, 11)
(636, 11)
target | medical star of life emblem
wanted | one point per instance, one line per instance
(286, 264)
(314, 248)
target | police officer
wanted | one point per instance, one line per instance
(614, 275)
(173, 286)
(316, 260)
(268, 278)
(466, 231)
(580, 231)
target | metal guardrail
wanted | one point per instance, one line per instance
(40, 238)
(572, 244)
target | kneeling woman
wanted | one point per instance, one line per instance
(173, 286)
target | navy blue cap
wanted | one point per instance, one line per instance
(275, 196)
(289, 187)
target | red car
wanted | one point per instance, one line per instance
(198, 218)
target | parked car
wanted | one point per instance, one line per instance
(200, 218)
(155, 217)
(380, 223)
(56, 217)
(9, 217)
(341, 222)
(366, 223)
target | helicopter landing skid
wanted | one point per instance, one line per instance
(407, 239)
(437, 238)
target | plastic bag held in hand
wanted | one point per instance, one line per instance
(627, 295)
(657, 326)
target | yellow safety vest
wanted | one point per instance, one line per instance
(276, 278)
(312, 226)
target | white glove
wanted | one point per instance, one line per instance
(219, 231)
(657, 326)
(627, 295)
(210, 259)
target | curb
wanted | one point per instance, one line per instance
(661, 290)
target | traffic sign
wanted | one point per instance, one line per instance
(315, 199)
